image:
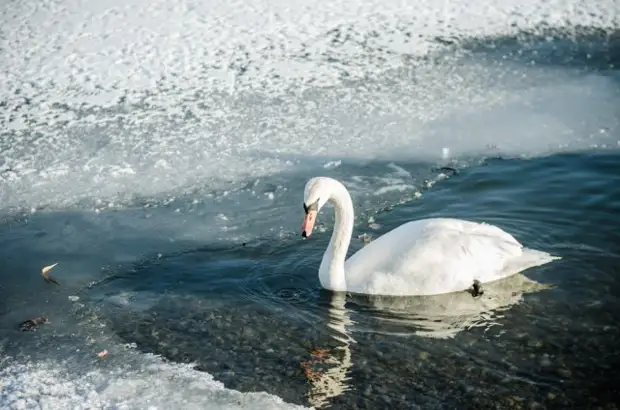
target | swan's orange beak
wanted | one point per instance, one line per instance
(308, 225)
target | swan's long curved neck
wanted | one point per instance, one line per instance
(331, 272)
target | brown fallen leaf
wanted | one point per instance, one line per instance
(45, 272)
(312, 375)
(319, 353)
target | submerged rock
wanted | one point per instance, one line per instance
(33, 324)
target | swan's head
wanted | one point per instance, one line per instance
(316, 193)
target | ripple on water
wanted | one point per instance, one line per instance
(256, 318)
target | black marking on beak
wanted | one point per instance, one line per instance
(303, 234)
(311, 207)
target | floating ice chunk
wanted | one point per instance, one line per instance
(445, 153)
(332, 164)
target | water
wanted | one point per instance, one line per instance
(251, 315)
(173, 209)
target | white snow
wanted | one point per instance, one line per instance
(74, 46)
(111, 99)
(152, 385)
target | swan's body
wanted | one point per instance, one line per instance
(425, 257)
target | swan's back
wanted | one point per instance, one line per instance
(432, 256)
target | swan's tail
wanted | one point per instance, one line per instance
(529, 259)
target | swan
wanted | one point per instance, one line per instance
(419, 258)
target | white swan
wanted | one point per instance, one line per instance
(425, 257)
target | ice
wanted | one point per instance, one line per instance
(73, 47)
(531, 111)
(153, 384)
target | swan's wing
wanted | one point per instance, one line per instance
(431, 256)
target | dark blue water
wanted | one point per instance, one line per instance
(250, 314)
(245, 304)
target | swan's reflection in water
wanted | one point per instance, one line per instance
(332, 381)
(444, 316)
(441, 316)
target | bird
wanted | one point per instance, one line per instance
(422, 257)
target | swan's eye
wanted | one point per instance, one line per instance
(312, 207)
